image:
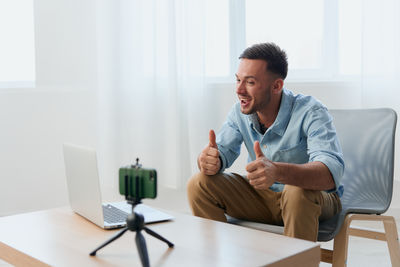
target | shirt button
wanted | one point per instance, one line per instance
(265, 146)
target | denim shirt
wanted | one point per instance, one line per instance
(302, 132)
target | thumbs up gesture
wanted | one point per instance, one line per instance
(208, 161)
(261, 172)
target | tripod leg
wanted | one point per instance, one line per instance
(151, 232)
(142, 249)
(120, 233)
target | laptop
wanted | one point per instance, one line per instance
(85, 195)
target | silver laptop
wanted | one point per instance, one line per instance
(85, 195)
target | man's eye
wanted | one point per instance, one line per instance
(251, 82)
(237, 81)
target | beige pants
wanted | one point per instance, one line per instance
(297, 209)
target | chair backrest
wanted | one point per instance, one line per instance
(367, 139)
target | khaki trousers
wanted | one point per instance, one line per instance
(297, 209)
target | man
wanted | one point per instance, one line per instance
(295, 161)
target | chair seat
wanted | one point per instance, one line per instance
(327, 229)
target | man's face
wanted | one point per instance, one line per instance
(253, 85)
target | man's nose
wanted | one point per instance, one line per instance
(240, 88)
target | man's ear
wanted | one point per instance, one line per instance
(278, 85)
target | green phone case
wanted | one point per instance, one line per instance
(147, 182)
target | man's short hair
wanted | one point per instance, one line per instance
(275, 57)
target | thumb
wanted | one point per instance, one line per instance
(211, 137)
(257, 150)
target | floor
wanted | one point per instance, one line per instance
(362, 252)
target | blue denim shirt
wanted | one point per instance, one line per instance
(302, 132)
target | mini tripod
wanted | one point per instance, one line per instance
(135, 223)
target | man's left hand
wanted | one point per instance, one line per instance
(261, 172)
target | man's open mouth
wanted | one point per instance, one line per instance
(244, 101)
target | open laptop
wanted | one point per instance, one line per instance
(85, 195)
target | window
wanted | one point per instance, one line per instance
(350, 37)
(321, 37)
(299, 29)
(217, 38)
(17, 50)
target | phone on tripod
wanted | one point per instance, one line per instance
(134, 175)
(136, 183)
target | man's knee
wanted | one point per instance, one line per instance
(194, 183)
(291, 191)
(197, 183)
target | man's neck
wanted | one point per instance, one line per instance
(267, 117)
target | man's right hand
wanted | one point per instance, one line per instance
(208, 160)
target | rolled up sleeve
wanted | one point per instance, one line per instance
(335, 167)
(323, 144)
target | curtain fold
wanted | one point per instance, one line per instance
(158, 97)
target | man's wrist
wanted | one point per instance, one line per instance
(280, 171)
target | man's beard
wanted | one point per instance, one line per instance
(260, 105)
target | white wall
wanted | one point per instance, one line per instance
(34, 122)
(65, 106)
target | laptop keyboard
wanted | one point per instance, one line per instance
(113, 214)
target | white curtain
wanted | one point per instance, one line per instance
(380, 80)
(153, 102)
(152, 97)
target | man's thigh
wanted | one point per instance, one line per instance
(328, 203)
(239, 199)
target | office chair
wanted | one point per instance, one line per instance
(367, 138)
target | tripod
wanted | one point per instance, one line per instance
(135, 223)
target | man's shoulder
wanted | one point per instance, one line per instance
(304, 102)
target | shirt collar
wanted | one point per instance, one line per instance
(282, 120)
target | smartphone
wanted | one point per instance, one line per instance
(146, 181)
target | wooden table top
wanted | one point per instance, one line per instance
(59, 237)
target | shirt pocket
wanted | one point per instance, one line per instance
(296, 153)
